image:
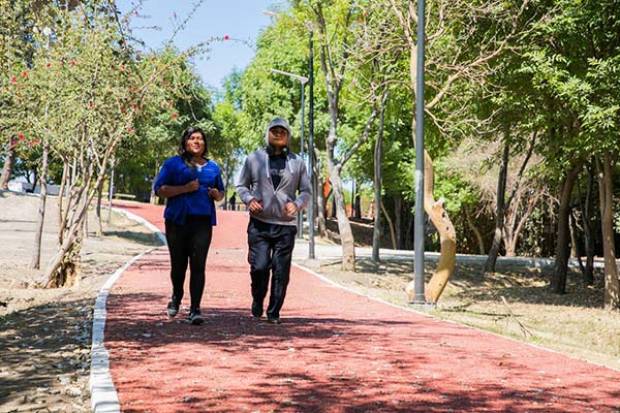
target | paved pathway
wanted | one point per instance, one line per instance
(335, 352)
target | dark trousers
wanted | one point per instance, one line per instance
(270, 251)
(189, 243)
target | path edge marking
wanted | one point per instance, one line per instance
(103, 395)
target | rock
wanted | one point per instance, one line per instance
(73, 392)
(64, 380)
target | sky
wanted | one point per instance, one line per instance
(238, 19)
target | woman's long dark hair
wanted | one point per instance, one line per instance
(185, 137)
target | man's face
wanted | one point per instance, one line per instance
(278, 137)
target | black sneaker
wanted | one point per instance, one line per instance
(274, 320)
(257, 309)
(173, 308)
(195, 317)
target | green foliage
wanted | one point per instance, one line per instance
(178, 100)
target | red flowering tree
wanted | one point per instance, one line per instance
(83, 97)
(15, 52)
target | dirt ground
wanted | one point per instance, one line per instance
(514, 302)
(45, 334)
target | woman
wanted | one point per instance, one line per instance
(191, 183)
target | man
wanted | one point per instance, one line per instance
(233, 202)
(268, 185)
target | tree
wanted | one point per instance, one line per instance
(572, 62)
(84, 126)
(336, 35)
(16, 51)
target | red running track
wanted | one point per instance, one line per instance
(335, 352)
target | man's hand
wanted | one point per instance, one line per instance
(192, 186)
(255, 206)
(290, 209)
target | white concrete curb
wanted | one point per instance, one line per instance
(333, 252)
(103, 396)
(160, 235)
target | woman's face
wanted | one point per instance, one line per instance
(195, 145)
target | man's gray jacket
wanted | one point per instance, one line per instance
(255, 182)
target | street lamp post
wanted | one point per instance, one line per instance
(419, 164)
(302, 80)
(311, 150)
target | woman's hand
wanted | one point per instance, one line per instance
(192, 186)
(169, 191)
(215, 194)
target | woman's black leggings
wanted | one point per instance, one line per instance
(189, 242)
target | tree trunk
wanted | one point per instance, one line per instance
(390, 225)
(321, 199)
(500, 209)
(63, 268)
(7, 170)
(472, 226)
(572, 226)
(510, 244)
(344, 226)
(518, 225)
(334, 81)
(63, 190)
(562, 252)
(99, 231)
(398, 224)
(35, 262)
(447, 236)
(588, 274)
(84, 233)
(612, 283)
(376, 233)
